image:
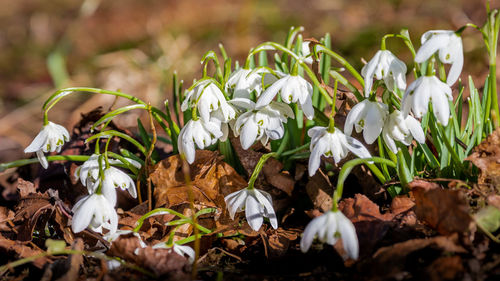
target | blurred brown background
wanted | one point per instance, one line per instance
(135, 46)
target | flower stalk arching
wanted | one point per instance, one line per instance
(23, 162)
(113, 133)
(347, 168)
(258, 168)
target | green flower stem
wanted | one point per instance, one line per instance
(113, 133)
(295, 150)
(106, 160)
(156, 212)
(23, 162)
(258, 168)
(124, 161)
(494, 95)
(58, 95)
(101, 174)
(342, 61)
(347, 168)
(20, 262)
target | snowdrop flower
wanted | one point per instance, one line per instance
(328, 227)
(306, 53)
(367, 116)
(332, 144)
(262, 123)
(257, 205)
(245, 81)
(293, 88)
(51, 138)
(385, 65)
(116, 178)
(96, 212)
(88, 173)
(181, 250)
(449, 46)
(421, 92)
(402, 129)
(200, 133)
(207, 97)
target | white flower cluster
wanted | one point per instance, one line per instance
(96, 210)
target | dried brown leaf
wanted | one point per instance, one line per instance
(21, 251)
(486, 157)
(444, 210)
(320, 191)
(360, 208)
(6, 217)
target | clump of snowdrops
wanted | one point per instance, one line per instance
(285, 96)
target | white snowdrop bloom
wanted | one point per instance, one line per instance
(402, 129)
(449, 46)
(208, 97)
(424, 90)
(367, 116)
(96, 212)
(336, 145)
(244, 81)
(385, 65)
(293, 88)
(181, 250)
(328, 228)
(116, 178)
(306, 52)
(257, 205)
(262, 123)
(200, 133)
(50, 138)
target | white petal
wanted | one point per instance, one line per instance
(41, 157)
(270, 93)
(354, 116)
(268, 206)
(253, 213)
(435, 43)
(415, 129)
(37, 143)
(349, 237)
(357, 147)
(310, 232)
(248, 134)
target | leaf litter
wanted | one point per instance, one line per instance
(434, 232)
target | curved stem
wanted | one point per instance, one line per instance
(347, 168)
(23, 162)
(258, 168)
(113, 133)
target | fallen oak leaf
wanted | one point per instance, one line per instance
(360, 208)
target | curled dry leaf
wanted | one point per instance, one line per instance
(486, 157)
(444, 210)
(360, 208)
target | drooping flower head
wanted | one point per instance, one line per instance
(334, 144)
(328, 228)
(385, 65)
(257, 205)
(424, 90)
(207, 97)
(262, 123)
(293, 88)
(449, 47)
(96, 212)
(244, 81)
(199, 132)
(50, 138)
(367, 116)
(402, 129)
